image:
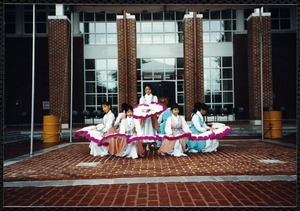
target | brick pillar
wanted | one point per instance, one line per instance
(59, 67)
(193, 62)
(254, 65)
(127, 78)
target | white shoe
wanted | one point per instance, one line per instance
(193, 151)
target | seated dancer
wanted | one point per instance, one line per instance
(114, 143)
(162, 119)
(130, 126)
(199, 126)
(121, 115)
(96, 133)
(149, 125)
(175, 125)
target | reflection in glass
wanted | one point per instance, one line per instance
(216, 85)
(107, 79)
(169, 27)
(146, 27)
(170, 75)
(158, 26)
(101, 64)
(90, 64)
(169, 38)
(180, 86)
(215, 37)
(100, 38)
(112, 64)
(89, 39)
(158, 38)
(227, 73)
(227, 85)
(180, 98)
(180, 74)
(112, 39)
(90, 87)
(100, 16)
(146, 38)
(206, 37)
(180, 63)
(215, 25)
(226, 61)
(227, 97)
(81, 29)
(90, 99)
(90, 76)
(100, 28)
(101, 98)
(205, 25)
(158, 75)
(216, 97)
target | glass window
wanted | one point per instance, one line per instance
(90, 64)
(89, 17)
(158, 27)
(218, 81)
(100, 17)
(100, 28)
(146, 27)
(100, 39)
(90, 76)
(111, 27)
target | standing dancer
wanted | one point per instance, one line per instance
(175, 125)
(149, 125)
(130, 126)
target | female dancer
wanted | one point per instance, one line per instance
(175, 125)
(199, 126)
(106, 128)
(130, 126)
(149, 125)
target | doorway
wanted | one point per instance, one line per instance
(165, 89)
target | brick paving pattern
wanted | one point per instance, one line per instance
(236, 158)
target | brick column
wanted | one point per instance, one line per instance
(127, 78)
(193, 61)
(254, 65)
(59, 67)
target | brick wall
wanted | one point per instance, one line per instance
(193, 63)
(127, 79)
(254, 67)
(59, 68)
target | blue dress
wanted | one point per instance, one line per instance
(165, 115)
(198, 146)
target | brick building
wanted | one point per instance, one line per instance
(187, 53)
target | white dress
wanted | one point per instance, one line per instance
(131, 150)
(147, 127)
(107, 123)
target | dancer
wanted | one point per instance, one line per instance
(149, 125)
(162, 119)
(130, 126)
(95, 133)
(198, 126)
(114, 143)
(175, 125)
(121, 115)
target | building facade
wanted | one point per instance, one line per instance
(188, 54)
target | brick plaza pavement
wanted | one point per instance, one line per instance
(242, 173)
